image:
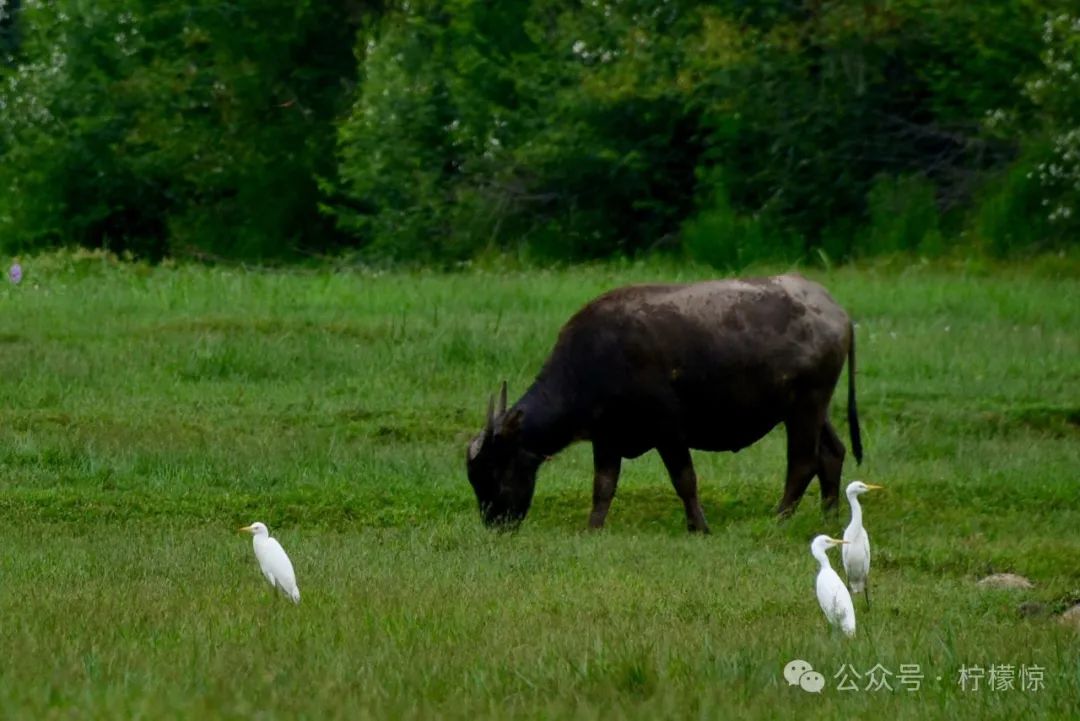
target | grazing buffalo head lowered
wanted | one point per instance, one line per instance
(711, 366)
(502, 473)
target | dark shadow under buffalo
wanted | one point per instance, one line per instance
(712, 366)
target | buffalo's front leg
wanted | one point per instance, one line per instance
(681, 469)
(606, 468)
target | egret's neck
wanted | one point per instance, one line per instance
(856, 510)
(822, 559)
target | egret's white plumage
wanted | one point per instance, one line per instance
(832, 594)
(273, 561)
(856, 552)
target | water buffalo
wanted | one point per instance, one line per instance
(712, 366)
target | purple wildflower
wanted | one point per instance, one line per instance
(15, 274)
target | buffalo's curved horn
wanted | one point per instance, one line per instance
(489, 428)
(502, 399)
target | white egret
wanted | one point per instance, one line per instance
(273, 561)
(856, 552)
(832, 594)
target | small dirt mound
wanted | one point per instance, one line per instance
(1071, 617)
(1005, 580)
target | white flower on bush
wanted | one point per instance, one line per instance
(1056, 91)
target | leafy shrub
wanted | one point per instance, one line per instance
(722, 238)
(903, 218)
(1009, 216)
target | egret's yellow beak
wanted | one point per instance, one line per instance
(246, 529)
(837, 541)
(875, 487)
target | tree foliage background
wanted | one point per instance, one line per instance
(435, 131)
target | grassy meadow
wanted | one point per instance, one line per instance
(147, 412)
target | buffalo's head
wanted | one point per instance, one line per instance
(502, 473)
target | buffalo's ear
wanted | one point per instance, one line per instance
(510, 423)
(475, 445)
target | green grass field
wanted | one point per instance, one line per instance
(146, 413)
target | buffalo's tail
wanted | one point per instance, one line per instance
(852, 410)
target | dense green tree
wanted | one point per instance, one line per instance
(167, 127)
(806, 115)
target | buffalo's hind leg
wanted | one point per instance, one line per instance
(804, 429)
(606, 467)
(830, 464)
(681, 469)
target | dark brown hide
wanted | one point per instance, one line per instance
(711, 366)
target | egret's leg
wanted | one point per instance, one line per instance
(803, 443)
(830, 464)
(681, 469)
(606, 467)
(866, 592)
